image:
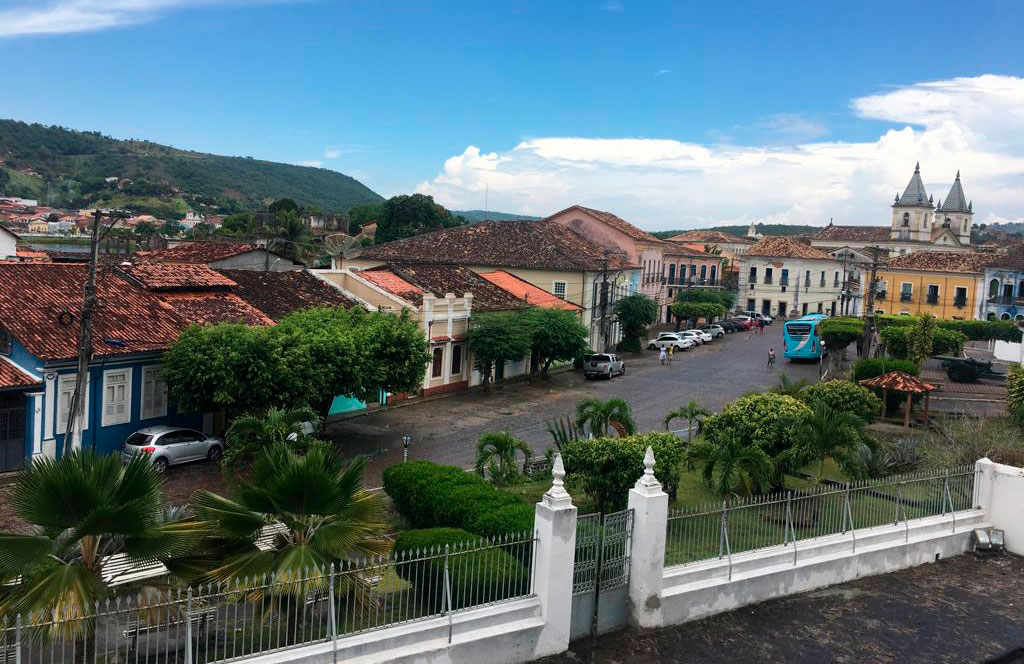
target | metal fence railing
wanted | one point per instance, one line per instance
(721, 530)
(246, 617)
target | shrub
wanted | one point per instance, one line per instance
(871, 367)
(607, 468)
(513, 518)
(838, 333)
(477, 576)
(430, 495)
(844, 397)
(1015, 394)
(944, 342)
(975, 330)
(767, 420)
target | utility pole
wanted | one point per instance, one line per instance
(76, 414)
(869, 312)
(603, 300)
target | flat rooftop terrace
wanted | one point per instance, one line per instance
(962, 609)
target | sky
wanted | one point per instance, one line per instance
(670, 114)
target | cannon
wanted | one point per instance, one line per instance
(967, 369)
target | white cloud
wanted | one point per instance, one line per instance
(613, 6)
(332, 153)
(662, 72)
(66, 16)
(975, 125)
(316, 163)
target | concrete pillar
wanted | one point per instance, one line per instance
(555, 526)
(647, 555)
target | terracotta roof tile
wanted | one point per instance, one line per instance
(944, 261)
(13, 376)
(278, 294)
(899, 382)
(387, 280)
(197, 252)
(615, 222)
(210, 308)
(784, 246)
(508, 244)
(412, 282)
(524, 290)
(855, 233)
(175, 276)
(709, 237)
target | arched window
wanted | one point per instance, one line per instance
(945, 224)
(714, 273)
(990, 316)
(993, 288)
(1005, 316)
(1020, 290)
(906, 218)
(965, 225)
(1018, 317)
(671, 273)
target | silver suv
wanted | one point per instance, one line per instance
(168, 446)
(603, 364)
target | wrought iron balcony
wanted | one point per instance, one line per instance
(933, 299)
(906, 297)
(880, 295)
(960, 302)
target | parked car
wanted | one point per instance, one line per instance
(698, 336)
(715, 330)
(746, 321)
(759, 316)
(731, 326)
(168, 446)
(603, 364)
(673, 339)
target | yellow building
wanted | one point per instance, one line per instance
(944, 284)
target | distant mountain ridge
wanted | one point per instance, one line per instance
(741, 231)
(48, 162)
(475, 216)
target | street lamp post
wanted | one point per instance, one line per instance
(406, 439)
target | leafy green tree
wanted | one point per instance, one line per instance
(405, 216)
(728, 463)
(368, 213)
(789, 387)
(229, 366)
(326, 515)
(249, 435)
(767, 420)
(829, 434)
(496, 453)
(237, 223)
(144, 228)
(635, 313)
(838, 333)
(1015, 393)
(171, 228)
(290, 236)
(693, 311)
(496, 338)
(691, 412)
(921, 338)
(844, 396)
(83, 508)
(598, 415)
(606, 468)
(555, 335)
(283, 205)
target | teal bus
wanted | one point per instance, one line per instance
(802, 338)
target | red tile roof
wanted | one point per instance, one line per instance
(12, 376)
(854, 233)
(278, 294)
(709, 237)
(899, 382)
(197, 252)
(944, 261)
(783, 246)
(533, 295)
(210, 308)
(387, 280)
(542, 245)
(175, 276)
(412, 282)
(40, 304)
(615, 222)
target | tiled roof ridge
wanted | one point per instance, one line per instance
(616, 222)
(784, 246)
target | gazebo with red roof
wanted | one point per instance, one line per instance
(899, 381)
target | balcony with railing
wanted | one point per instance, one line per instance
(960, 301)
(933, 298)
(768, 281)
(906, 297)
(682, 282)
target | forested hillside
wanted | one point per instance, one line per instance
(71, 168)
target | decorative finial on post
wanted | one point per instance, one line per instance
(557, 495)
(648, 483)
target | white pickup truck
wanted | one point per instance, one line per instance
(674, 339)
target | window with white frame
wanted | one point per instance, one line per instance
(154, 393)
(117, 397)
(558, 288)
(65, 393)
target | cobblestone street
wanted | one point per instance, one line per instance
(446, 429)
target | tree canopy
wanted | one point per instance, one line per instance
(405, 216)
(496, 338)
(556, 335)
(635, 313)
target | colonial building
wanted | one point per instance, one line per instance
(918, 224)
(944, 284)
(782, 276)
(1002, 286)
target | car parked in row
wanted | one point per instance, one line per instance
(716, 331)
(731, 326)
(698, 336)
(603, 364)
(674, 340)
(168, 446)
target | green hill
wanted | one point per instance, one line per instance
(741, 231)
(71, 168)
(474, 216)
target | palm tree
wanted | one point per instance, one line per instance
(83, 508)
(599, 415)
(691, 412)
(290, 235)
(789, 387)
(496, 452)
(250, 434)
(324, 514)
(829, 434)
(729, 463)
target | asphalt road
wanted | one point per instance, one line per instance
(446, 429)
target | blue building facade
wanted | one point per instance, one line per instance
(1003, 294)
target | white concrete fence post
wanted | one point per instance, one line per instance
(555, 525)
(647, 555)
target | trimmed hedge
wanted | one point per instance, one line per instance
(974, 330)
(766, 420)
(944, 342)
(477, 577)
(844, 397)
(430, 495)
(838, 333)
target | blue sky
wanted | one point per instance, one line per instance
(388, 91)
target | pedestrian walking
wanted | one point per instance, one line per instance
(760, 326)
(671, 351)
(771, 358)
(663, 356)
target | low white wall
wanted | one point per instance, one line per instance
(1001, 493)
(702, 589)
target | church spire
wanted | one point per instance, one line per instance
(914, 195)
(955, 200)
